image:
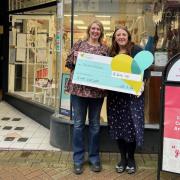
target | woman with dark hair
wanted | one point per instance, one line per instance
(125, 112)
(86, 99)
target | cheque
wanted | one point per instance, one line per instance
(121, 73)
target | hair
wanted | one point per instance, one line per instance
(101, 29)
(114, 49)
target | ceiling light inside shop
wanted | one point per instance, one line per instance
(106, 22)
(107, 28)
(82, 27)
(69, 15)
(78, 22)
(85, 27)
(109, 34)
(102, 16)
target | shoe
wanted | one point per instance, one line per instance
(121, 166)
(78, 169)
(131, 167)
(96, 167)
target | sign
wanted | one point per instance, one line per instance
(65, 98)
(161, 58)
(169, 156)
(171, 143)
(121, 73)
(174, 72)
(156, 73)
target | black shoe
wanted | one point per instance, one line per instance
(78, 169)
(121, 166)
(131, 167)
(96, 167)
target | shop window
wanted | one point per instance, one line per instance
(32, 54)
(32, 42)
(137, 17)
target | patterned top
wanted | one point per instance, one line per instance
(81, 90)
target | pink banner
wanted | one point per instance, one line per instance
(172, 112)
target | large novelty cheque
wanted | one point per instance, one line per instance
(121, 73)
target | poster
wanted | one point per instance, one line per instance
(121, 73)
(41, 40)
(171, 138)
(64, 97)
(161, 58)
(21, 47)
(41, 55)
(21, 54)
(21, 40)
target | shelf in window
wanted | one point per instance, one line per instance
(39, 63)
(29, 47)
(12, 45)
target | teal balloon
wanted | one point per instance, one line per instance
(135, 69)
(141, 61)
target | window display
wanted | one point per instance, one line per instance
(32, 41)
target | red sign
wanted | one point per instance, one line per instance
(172, 112)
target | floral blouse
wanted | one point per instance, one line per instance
(81, 90)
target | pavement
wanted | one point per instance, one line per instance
(57, 165)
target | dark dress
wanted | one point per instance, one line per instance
(125, 114)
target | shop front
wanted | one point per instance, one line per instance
(40, 39)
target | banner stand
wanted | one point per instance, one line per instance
(169, 151)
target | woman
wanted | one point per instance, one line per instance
(125, 111)
(85, 98)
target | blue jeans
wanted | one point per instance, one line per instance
(80, 107)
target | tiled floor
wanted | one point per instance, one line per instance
(18, 131)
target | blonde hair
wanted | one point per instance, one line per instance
(101, 29)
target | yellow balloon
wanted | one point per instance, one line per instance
(134, 84)
(121, 63)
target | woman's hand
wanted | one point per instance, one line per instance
(141, 90)
(76, 53)
(75, 56)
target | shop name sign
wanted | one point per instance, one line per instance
(121, 73)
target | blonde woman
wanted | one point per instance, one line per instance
(86, 99)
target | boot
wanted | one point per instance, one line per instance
(121, 166)
(131, 165)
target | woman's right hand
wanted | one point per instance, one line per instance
(75, 56)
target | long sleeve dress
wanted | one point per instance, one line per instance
(125, 114)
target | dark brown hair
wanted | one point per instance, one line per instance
(114, 49)
(101, 29)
